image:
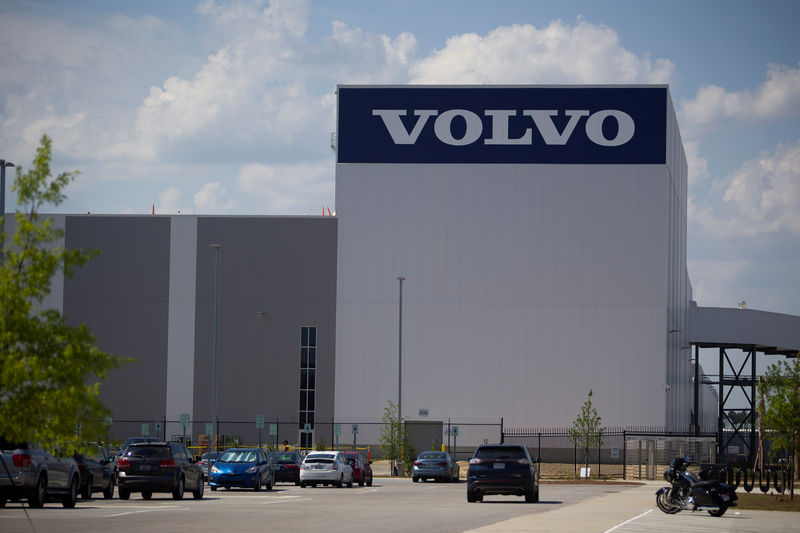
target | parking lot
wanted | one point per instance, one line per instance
(390, 505)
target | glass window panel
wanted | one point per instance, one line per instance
(303, 336)
(304, 379)
(312, 336)
(310, 418)
(312, 357)
(302, 419)
(303, 395)
(310, 400)
(304, 358)
(311, 376)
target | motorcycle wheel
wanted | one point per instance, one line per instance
(663, 503)
(720, 511)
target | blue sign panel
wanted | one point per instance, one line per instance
(550, 125)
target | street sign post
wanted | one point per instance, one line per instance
(184, 424)
(337, 430)
(260, 426)
(355, 432)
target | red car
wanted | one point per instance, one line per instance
(362, 471)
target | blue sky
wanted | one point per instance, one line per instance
(227, 107)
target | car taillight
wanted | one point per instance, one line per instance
(303, 467)
(167, 463)
(523, 461)
(334, 466)
(417, 463)
(291, 466)
(442, 464)
(123, 463)
(475, 461)
(82, 467)
(22, 459)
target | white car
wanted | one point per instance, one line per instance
(325, 468)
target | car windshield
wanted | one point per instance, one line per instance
(148, 452)
(500, 452)
(238, 456)
(433, 455)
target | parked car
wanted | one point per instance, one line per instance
(435, 465)
(325, 468)
(149, 467)
(97, 472)
(362, 471)
(32, 474)
(502, 469)
(286, 466)
(242, 467)
(132, 440)
(206, 461)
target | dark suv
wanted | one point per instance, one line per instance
(149, 467)
(502, 469)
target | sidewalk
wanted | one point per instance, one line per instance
(595, 514)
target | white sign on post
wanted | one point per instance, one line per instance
(585, 472)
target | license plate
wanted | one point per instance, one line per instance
(499, 466)
(143, 468)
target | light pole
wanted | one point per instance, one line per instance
(3, 165)
(216, 248)
(401, 279)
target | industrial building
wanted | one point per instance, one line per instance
(540, 234)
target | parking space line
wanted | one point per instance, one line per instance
(627, 521)
(147, 511)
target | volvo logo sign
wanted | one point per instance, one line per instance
(544, 125)
(473, 131)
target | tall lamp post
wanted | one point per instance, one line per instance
(3, 165)
(216, 248)
(401, 279)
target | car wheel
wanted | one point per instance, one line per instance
(86, 491)
(37, 497)
(369, 483)
(124, 494)
(350, 483)
(302, 484)
(177, 494)
(361, 481)
(146, 494)
(70, 499)
(297, 483)
(3, 500)
(201, 487)
(268, 485)
(257, 486)
(415, 479)
(108, 492)
(473, 496)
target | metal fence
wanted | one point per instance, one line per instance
(626, 452)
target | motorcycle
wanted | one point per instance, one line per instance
(688, 493)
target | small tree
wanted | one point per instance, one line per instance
(781, 388)
(393, 435)
(436, 445)
(586, 432)
(321, 446)
(50, 372)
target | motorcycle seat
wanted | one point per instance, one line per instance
(703, 484)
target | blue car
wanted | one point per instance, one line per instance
(242, 467)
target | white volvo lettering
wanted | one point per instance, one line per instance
(398, 131)
(500, 118)
(442, 127)
(594, 128)
(543, 118)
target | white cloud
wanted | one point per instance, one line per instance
(212, 199)
(522, 53)
(698, 166)
(168, 201)
(777, 97)
(288, 189)
(759, 198)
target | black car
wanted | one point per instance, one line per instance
(149, 467)
(286, 466)
(502, 469)
(97, 472)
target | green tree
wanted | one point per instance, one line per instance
(392, 437)
(781, 389)
(50, 372)
(587, 432)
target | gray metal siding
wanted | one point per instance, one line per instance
(122, 295)
(285, 267)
